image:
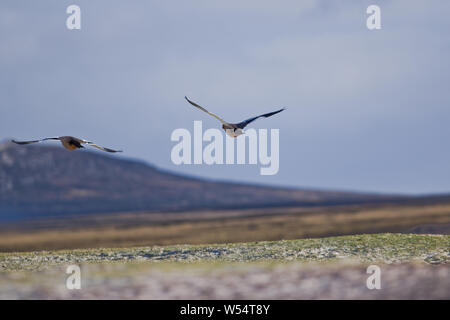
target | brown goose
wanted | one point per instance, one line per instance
(70, 143)
(234, 129)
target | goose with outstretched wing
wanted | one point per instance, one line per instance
(234, 129)
(70, 143)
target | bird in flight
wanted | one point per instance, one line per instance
(234, 129)
(70, 143)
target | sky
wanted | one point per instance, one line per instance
(368, 110)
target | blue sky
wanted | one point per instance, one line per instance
(367, 110)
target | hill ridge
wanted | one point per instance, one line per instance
(48, 181)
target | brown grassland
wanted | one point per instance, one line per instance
(146, 229)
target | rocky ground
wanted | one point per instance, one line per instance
(412, 267)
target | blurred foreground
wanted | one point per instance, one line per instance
(412, 267)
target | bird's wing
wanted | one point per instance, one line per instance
(102, 148)
(33, 141)
(244, 123)
(203, 109)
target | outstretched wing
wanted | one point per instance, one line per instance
(244, 123)
(102, 148)
(33, 141)
(204, 110)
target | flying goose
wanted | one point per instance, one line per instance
(233, 129)
(70, 143)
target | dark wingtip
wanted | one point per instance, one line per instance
(112, 151)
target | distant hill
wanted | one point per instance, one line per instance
(43, 180)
